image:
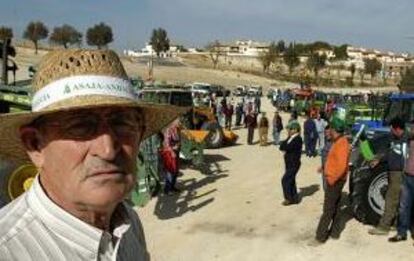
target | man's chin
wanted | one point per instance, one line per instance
(108, 195)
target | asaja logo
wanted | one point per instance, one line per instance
(67, 89)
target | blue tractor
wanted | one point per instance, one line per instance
(369, 185)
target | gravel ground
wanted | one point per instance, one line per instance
(234, 212)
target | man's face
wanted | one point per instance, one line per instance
(88, 158)
(292, 131)
(396, 131)
(328, 134)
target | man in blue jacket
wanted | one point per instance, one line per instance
(292, 147)
(310, 135)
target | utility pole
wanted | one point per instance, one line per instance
(4, 55)
(151, 68)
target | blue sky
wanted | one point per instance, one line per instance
(381, 24)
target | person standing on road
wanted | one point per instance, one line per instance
(171, 156)
(335, 171)
(320, 124)
(395, 156)
(263, 129)
(257, 103)
(310, 135)
(228, 114)
(239, 113)
(292, 147)
(293, 116)
(406, 201)
(324, 154)
(251, 124)
(277, 128)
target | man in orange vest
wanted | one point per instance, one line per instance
(335, 171)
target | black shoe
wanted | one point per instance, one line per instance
(290, 202)
(397, 238)
(176, 190)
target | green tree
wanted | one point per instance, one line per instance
(407, 80)
(341, 52)
(215, 50)
(159, 41)
(291, 57)
(65, 35)
(372, 67)
(316, 62)
(269, 57)
(36, 31)
(100, 35)
(281, 46)
(352, 69)
(319, 45)
(5, 33)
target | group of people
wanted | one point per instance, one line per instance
(314, 133)
(334, 170)
(335, 153)
(224, 111)
(400, 193)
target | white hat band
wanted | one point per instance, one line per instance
(82, 85)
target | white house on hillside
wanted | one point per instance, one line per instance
(149, 51)
(251, 48)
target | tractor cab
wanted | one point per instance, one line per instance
(368, 185)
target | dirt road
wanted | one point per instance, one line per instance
(233, 211)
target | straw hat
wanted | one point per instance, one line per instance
(77, 79)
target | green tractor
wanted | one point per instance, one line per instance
(15, 177)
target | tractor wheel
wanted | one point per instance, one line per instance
(368, 189)
(15, 179)
(215, 136)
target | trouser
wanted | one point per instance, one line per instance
(321, 140)
(324, 182)
(290, 191)
(276, 137)
(329, 217)
(250, 134)
(310, 147)
(228, 122)
(220, 120)
(238, 119)
(170, 181)
(392, 199)
(406, 204)
(263, 136)
(313, 147)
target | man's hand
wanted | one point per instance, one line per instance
(320, 169)
(373, 163)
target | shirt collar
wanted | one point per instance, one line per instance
(292, 137)
(64, 224)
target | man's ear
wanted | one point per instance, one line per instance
(33, 141)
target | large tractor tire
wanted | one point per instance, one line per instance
(15, 179)
(368, 188)
(215, 136)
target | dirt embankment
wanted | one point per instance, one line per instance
(176, 70)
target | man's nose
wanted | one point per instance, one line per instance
(106, 145)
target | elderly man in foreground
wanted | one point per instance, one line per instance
(82, 135)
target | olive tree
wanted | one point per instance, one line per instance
(159, 41)
(65, 35)
(36, 31)
(99, 35)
